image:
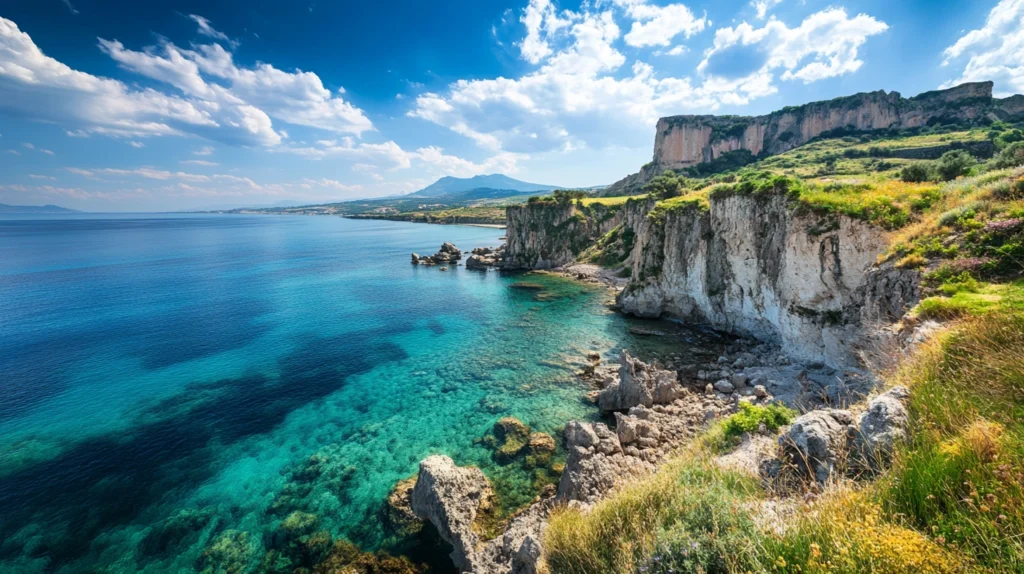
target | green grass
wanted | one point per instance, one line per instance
(959, 300)
(609, 201)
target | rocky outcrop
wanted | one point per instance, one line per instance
(686, 141)
(882, 427)
(485, 257)
(451, 497)
(639, 384)
(764, 267)
(816, 442)
(825, 443)
(447, 254)
(549, 234)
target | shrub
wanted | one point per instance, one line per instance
(954, 164)
(912, 261)
(916, 173)
(750, 417)
(962, 283)
(1011, 156)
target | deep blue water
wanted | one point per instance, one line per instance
(169, 381)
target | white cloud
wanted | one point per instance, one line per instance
(581, 95)
(331, 184)
(763, 6)
(46, 151)
(205, 150)
(136, 145)
(200, 162)
(542, 22)
(77, 133)
(659, 25)
(298, 98)
(995, 51)
(79, 171)
(206, 29)
(39, 87)
(825, 44)
(70, 6)
(36, 176)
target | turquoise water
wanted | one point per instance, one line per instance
(171, 382)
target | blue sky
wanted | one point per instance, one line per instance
(167, 104)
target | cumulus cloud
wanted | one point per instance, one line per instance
(585, 92)
(825, 45)
(659, 25)
(994, 52)
(239, 113)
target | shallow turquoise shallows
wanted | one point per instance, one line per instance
(174, 387)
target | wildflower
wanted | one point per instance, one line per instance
(781, 562)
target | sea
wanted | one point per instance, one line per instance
(182, 392)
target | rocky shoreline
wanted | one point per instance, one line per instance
(651, 411)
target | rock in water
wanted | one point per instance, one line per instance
(415, 258)
(639, 384)
(451, 497)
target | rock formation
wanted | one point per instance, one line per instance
(639, 384)
(762, 267)
(447, 254)
(545, 235)
(823, 442)
(686, 141)
(451, 497)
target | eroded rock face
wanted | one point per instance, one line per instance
(451, 497)
(817, 442)
(639, 384)
(758, 266)
(684, 141)
(546, 235)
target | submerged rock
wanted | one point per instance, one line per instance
(399, 516)
(639, 384)
(451, 498)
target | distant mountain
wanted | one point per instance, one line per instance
(4, 208)
(461, 185)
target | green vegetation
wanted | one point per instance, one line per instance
(953, 499)
(952, 502)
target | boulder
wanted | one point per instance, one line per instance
(479, 262)
(816, 442)
(525, 560)
(451, 497)
(882, 426)
(724, 386)
(415, 258)
(639, 384)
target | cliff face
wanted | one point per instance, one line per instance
(544, 235)
(686, 141)
(756, 266)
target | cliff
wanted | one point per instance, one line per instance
(764, 267)
(547, 234)
(686, 141)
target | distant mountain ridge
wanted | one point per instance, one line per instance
(460, 185)
(4, 208)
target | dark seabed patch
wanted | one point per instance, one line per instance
(122, 476)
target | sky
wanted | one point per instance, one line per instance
(173, 105)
